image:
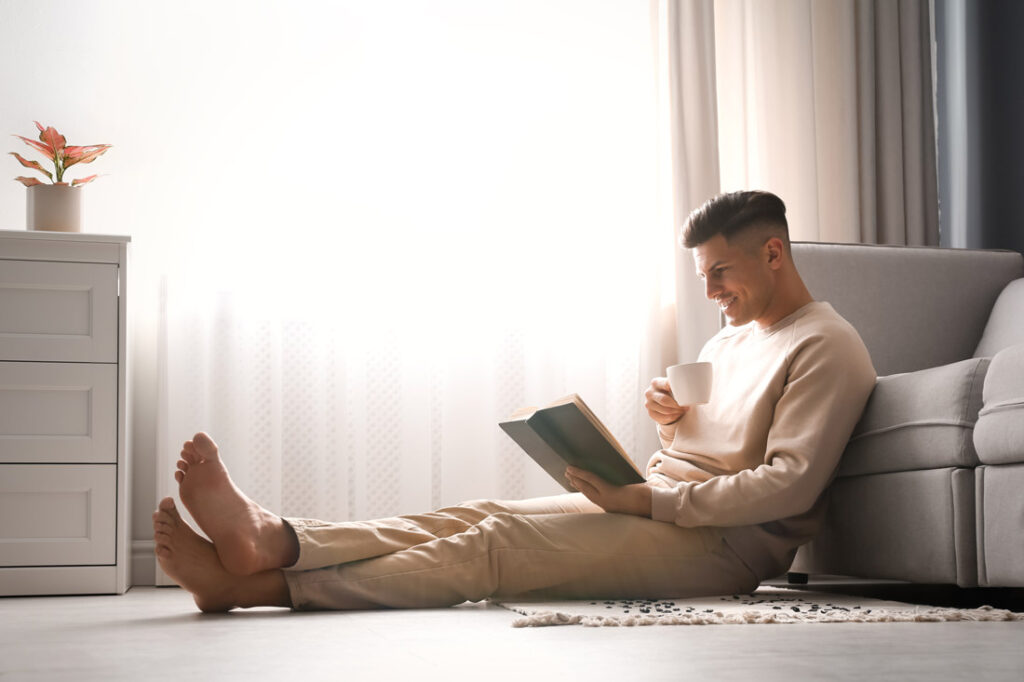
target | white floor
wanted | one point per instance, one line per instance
(156, 634)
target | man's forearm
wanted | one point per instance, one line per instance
(622, 499)
(640, 499)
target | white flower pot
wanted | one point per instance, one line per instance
(55, 208)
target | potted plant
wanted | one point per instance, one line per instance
(56, 205)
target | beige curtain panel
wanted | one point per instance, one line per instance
(829, 104)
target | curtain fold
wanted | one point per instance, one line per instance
(895, 39)
(693, 122)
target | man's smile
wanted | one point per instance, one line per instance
(725, 302)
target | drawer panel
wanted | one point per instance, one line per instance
(57, 515)
(58, 312)
(56, 412)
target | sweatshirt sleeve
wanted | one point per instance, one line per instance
(827, 384)
(667, 433)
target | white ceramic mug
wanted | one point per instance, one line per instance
(690, 382)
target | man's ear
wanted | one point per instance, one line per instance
(774, 250)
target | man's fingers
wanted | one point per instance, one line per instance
(666, 415)
(671, 413)
(658, 408)
(582, 486)
(580, 474)
(664, 399)
(591, 492)
(659, 395)
(584, 480)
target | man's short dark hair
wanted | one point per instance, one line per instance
(733, 213)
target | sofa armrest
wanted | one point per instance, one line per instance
(918, 420)
(999, 434)
(1005, 326)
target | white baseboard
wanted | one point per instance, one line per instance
(143, 562)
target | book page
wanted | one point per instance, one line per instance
(522, 412)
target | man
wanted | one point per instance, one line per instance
(737, 487)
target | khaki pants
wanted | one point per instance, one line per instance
(561, 547)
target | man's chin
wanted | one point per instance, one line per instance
(735, 320)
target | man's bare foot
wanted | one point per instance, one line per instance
(247, 537)
(191, 561)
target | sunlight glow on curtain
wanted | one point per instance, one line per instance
(469, 225)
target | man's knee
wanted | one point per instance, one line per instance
(487, 507)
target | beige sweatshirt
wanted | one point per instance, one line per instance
(757, 458)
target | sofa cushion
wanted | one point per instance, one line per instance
(999, 434)
(915, 307)
(908, 525)
(918, 420)
(1005, 326)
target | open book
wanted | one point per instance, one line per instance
(567, 432)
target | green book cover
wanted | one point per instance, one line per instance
(567, 432)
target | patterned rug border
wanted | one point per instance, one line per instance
(768, 605)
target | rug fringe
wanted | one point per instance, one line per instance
(916, 615)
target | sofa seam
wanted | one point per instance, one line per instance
(952, 515)
(979, 369)
(960, 543)
(1001, 406)
(974, 380)
(959, 423)
(979, 522)
(882, 472)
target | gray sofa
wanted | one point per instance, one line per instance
(931, 486)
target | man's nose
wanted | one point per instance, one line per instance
(710, 288)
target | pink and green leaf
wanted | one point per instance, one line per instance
(38, 146)
(34, 165)
(83, 181)
(28, 182)
(87, 154)
(55, 140)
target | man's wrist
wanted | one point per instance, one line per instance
(642, 500)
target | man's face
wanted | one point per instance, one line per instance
(737, 277)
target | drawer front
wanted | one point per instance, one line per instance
(56, 412)
(58, 312)
(57, 515)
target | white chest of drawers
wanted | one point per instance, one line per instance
(63, 446)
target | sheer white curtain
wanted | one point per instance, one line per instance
(687, 80)
(467, 224)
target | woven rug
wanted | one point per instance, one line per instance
(765, 605)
